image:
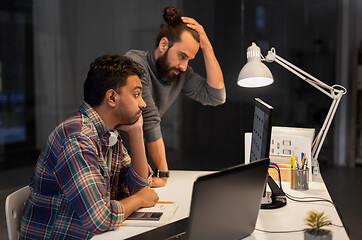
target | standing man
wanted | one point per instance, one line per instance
(167, 74)
(85, 182)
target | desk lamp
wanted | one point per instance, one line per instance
(256, 74)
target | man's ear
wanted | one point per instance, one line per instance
(110, 98)
(163, 45)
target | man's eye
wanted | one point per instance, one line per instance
(183, 57)
(137, 94)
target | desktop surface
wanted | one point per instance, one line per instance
(291, 217)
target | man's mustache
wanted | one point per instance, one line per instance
(177, 69)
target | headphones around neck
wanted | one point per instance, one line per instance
(113, 138)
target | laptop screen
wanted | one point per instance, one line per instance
(224, 205)
(262, 125)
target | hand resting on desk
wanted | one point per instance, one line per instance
(146, 197)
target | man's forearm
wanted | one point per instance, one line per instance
(214, 74)
(213, 71)
(157, 152)
(138, 154)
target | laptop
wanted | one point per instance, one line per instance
(224, 205)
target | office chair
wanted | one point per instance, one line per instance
(14, 205)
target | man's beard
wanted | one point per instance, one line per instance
(136, 117)
(164, 70)
(131, 119)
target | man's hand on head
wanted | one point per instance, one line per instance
(193, 24)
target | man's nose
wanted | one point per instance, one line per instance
(142, 104)
(183, 65)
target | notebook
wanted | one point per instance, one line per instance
(225, 205)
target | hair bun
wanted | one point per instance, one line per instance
(171, 14)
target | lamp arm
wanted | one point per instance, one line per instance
(336, 93)
(315, 82)
(319, 139)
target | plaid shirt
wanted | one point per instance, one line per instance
(73, 194)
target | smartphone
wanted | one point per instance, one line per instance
(153, 216)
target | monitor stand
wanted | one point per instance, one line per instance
(277, 196)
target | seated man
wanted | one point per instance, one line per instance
(85, 183)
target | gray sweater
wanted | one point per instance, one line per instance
(159, 96)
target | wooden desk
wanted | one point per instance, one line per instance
(290, 217)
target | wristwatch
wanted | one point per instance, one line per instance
(162, 174)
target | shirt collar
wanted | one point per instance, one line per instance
(99, 124)
(152, 61)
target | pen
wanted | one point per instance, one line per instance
(292, 159)
(304, 164)
(165, 202)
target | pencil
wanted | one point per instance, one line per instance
(165, 202)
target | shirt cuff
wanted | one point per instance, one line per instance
(139, 182)
(219, 95)
(117, 214)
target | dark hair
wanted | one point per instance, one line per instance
(107, 72)
(174, 27)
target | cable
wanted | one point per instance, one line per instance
(291, 231)
(312, 199)
(335, 225)
(318, 199)
(304, 199)
(276, 167)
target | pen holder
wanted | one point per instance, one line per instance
(299, 179)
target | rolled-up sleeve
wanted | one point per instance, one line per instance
(197, 88)
(135, 182)
(80, 178)
(151, 115)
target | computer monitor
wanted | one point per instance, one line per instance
(260, 148)
(262, 128)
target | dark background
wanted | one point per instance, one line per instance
(47, 46)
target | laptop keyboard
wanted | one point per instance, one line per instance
(178, 236)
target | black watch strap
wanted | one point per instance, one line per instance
(162, 174)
